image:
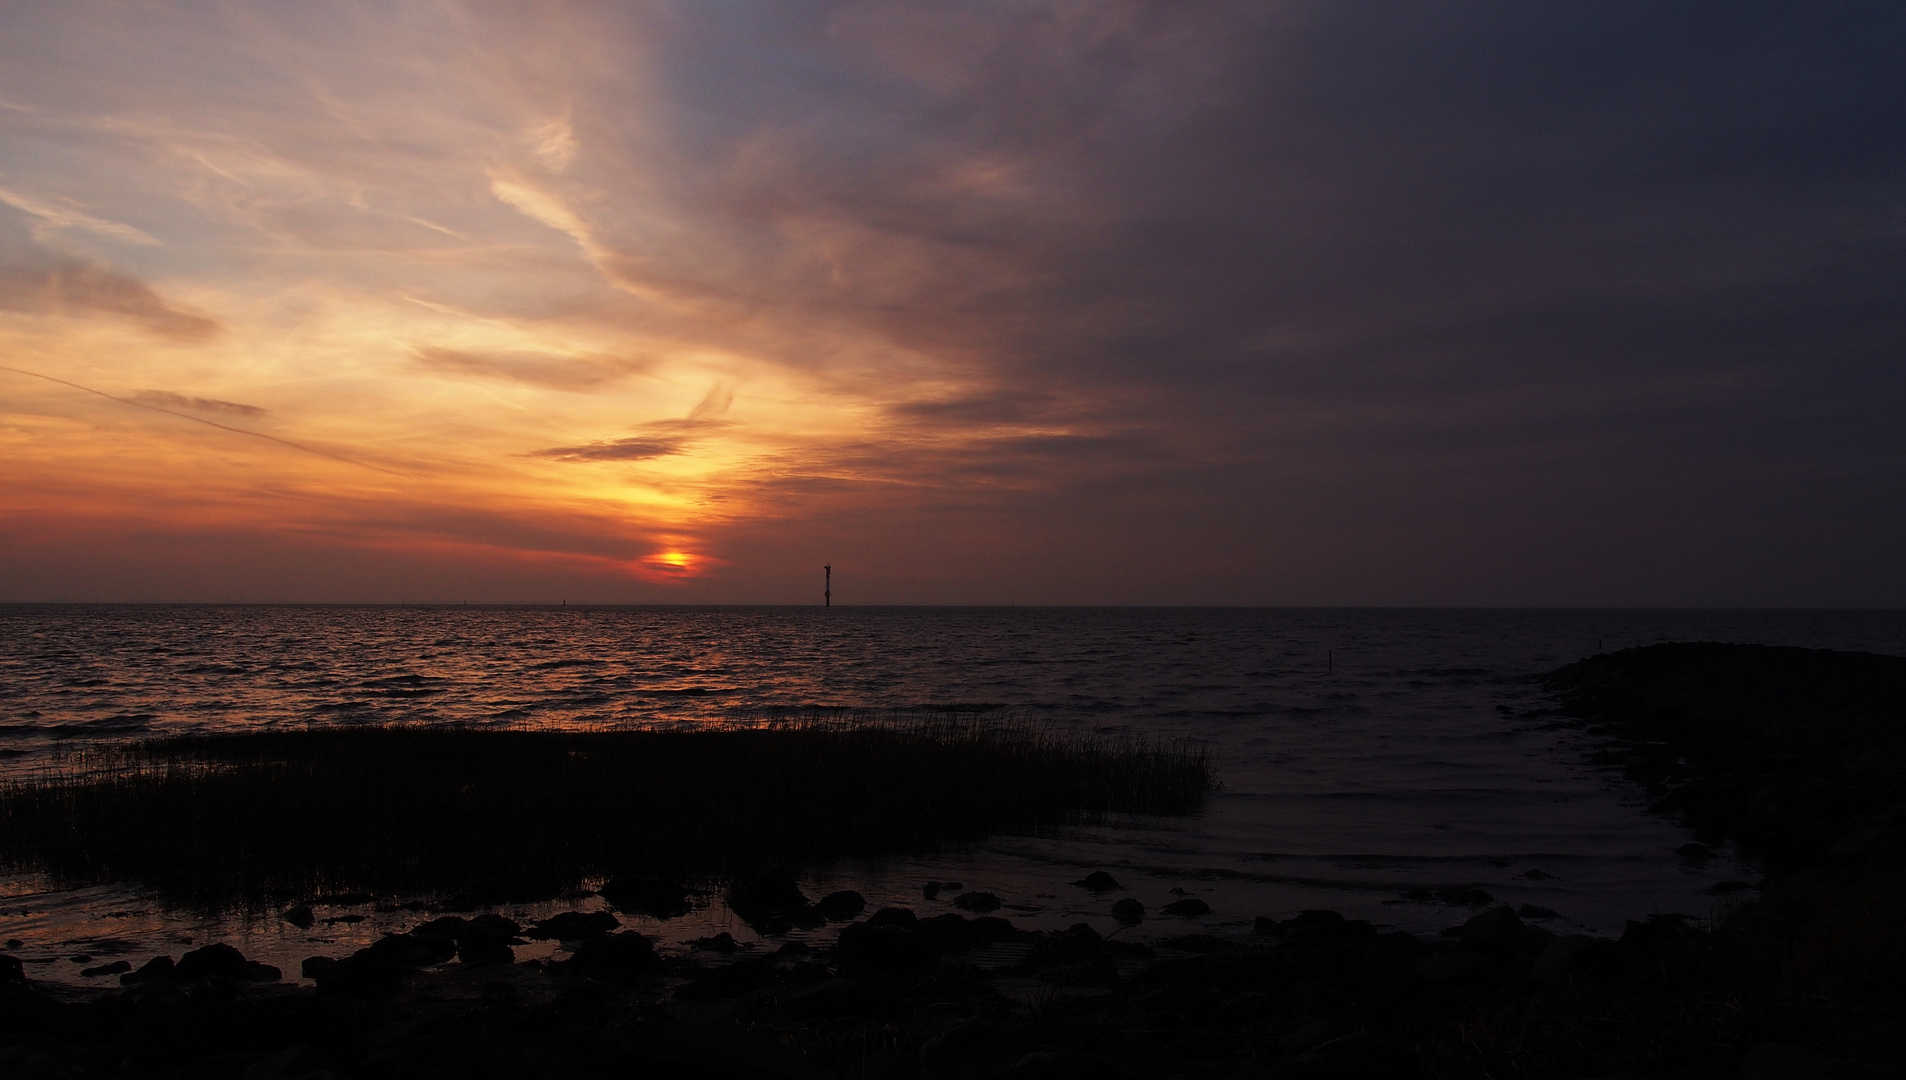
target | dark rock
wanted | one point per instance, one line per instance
(772, 892)
(894, 916)
(221, 961)
(1128, 912)
(874, 948)
(574, 926)
(952, 932)
(1497, 931)
(658, 898)
(723, 942)
(378, 969)
(1189, 908)
(300, 916)
(979, 903)
(613, 957)
(155, 968)
(484, 939)
(1537, 875)
(1311, 919)
(478, 950)
(117, 967)
(1098, 881)
(1323, 936)
(1697, 853)
(453, 927)
(1726, 888)
(11, 970)
(1531, 911)
(973, 1049)
(841, 906)
(410, 950)
(809, 918)
(492, 923)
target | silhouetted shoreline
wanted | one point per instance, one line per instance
(1802, 981)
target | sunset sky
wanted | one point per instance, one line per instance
(1318, 302)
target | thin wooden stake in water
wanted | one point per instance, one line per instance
(827, 594)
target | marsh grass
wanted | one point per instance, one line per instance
(519, 814)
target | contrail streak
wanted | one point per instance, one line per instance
(202, 420)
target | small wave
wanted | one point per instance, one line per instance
(401, 680)
(124, 722)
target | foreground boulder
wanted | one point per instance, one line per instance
(615, 957)
(220, 961)
(378, 969)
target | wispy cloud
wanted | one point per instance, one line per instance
(66, 286)
(629, 449)
(63, 214)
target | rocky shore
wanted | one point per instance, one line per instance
(950, 997)
(1799, 754)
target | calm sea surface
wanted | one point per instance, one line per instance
(1362, 752)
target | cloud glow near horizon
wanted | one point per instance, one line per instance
(1039, 302)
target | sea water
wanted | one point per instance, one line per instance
(1363, 754)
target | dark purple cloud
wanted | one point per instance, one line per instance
(1468, 282)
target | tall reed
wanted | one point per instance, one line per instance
(523, 813)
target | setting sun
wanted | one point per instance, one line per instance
(671, 563)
